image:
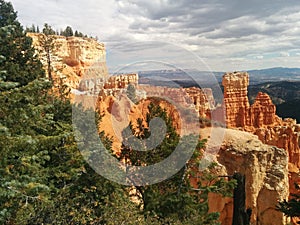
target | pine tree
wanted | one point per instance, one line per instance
(291, 208)
(68, 32)
(47, 30)
(175, 200)
(46, 41)
(44, 178)
(18, 62)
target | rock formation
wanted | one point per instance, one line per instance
(261, 120)
(201, 100)
(266, 171)
(81, 63)
(72, 57)
(108, 85)
(121, 81)
(235, 99)
(239, 113)
(263, 111)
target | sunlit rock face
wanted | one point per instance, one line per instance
(235, 99)
(266, 170)
(72, 58)
(261, 120)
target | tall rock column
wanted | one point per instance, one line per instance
(235, 99)
(263, 111)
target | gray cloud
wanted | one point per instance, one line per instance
(222, 32)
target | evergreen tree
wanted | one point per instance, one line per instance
(47, 43)
(18, 62)
(174, 200)
(44, 178)
(68, 32)
(47, 30)
(291, 208)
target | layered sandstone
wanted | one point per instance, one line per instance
(266, 171)
(286, 135)
(108, 86)
(119, 111)
(121, 81)
(261, 120)
(263, 111)
(235, 99)
(200, 100)
(72, 57)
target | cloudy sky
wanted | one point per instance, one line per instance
(224, 35)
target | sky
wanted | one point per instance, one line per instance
(215, 35)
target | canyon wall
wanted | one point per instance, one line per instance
(201, 100)
(266, 171)
(80, 64)
(261, 120)
(71, 58)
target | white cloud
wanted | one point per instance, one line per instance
(284, 54)
(258, 57)
(224, 33)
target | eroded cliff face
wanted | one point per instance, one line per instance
(261, 120)
(235, 99)
(201, 100)
(263, 111)
(71, 57)
(266, 171)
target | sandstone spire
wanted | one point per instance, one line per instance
(235, 99)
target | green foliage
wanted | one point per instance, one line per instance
(173, 201)
(68, 32)
(44, 177)
(47, 30)
(18, 63)
(8, 15)
(291, 208)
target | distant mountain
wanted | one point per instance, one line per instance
(274, 74)
(192, 77)
(279, 91)
(282, 84)
(284, 94)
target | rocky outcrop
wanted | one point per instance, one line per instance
(81, 63)
(121, 81)
(286, 135)
(261, 120)
(119, 111)
(106, 86)
(201, 100)
(266, 171)
(239, 113)
(71, 57)
(263, 111)
(235, 99)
